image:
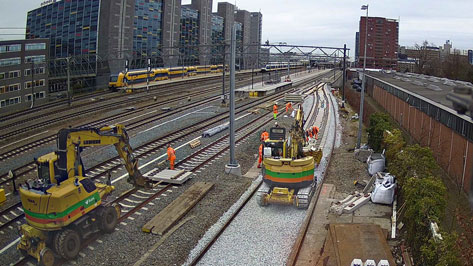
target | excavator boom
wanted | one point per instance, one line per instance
(71, 141)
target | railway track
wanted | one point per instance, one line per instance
(196, 259)
(28, 168)
(114, 164)
(102, 106)
(96, 94)
(136, 199)
(297, 247)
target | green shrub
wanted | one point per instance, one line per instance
(379, 122)
(440, 252)
(413, 161)
(393, 142)
(425, 201)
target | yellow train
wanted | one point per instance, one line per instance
(139, 76)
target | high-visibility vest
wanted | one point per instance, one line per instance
(315, 130)
(171, 154)
(275, 109)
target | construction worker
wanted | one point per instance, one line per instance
(315, 132)
(260, 159)
(264, 135)
(171, 157)
(275, 111)
(288, 107)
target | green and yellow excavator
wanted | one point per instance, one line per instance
(288, 166)
(62, 206)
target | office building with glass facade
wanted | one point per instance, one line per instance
(217, 39)
(100, 35)
(189, 39)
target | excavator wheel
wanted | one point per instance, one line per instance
(55, 244)
(68, 244)
(46, 257)
(108, 219)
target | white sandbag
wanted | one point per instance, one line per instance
(376, 163)
(384, 193)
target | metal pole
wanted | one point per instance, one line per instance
(334, 69)
(360, 125)
(147, 74)
(344, 74)
(223, 77)
(288, 69)
(32, 83)
(233, 161)
(68, 81)
(252, 71)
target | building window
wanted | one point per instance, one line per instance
(37, 71)
(10, 61)
(14, 74)
(35, 46)
(35, 59)
(13, 87)
(37, 95)
(11, 101)
(10, 48)
(2, 76)
(37, 83)
(2, 89)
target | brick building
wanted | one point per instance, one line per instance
(383, 36)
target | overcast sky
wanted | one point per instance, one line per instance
(326, 22)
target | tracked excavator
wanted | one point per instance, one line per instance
(288, 166)
(62, 206)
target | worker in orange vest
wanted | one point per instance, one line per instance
(275, 111)
(315, 132)
(288, 107)
(260, 159)
(171, 157)
(264, 135)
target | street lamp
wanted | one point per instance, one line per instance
(363, 84)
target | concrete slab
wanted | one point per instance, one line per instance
(168, 176)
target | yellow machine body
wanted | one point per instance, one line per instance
(61, 205)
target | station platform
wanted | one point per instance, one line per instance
(261, 90)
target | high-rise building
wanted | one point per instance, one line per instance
(227, 12)
(217, 39)
(189, 40)
(98, 36)
(204, 7)
(244, 18)
(23, 73)
(147, 26)
(256, 25)
(171, 31)
(382, 44)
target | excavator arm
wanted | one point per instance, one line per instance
(71, 142)
(297, 135)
